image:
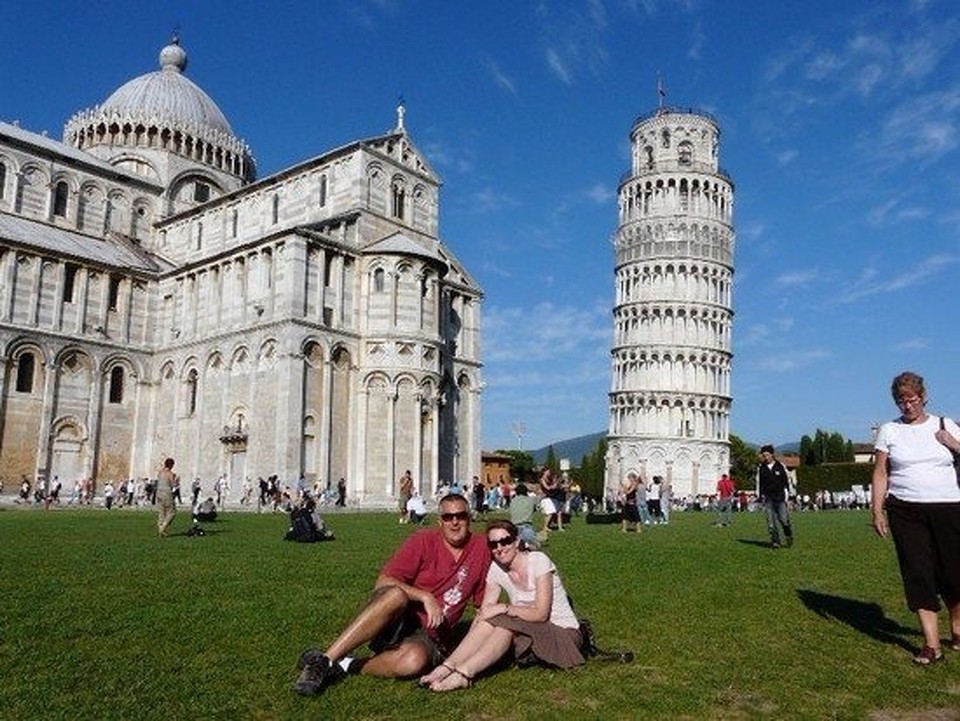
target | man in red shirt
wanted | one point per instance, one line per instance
(417, 600)
(725, 491)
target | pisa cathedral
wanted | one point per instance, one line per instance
(671, 358)
(157, 299)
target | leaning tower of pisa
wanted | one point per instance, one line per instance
(671, 356)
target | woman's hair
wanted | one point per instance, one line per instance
(509, 527)
(521, 490)
(908, 382)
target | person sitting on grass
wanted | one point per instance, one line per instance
(537, 621)
(206, 511)
(417, 601)
(416, 509)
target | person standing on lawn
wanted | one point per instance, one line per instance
(405, 492)
(916, 499)
(773, 484)
(166, 481)
(725, 491)
(627, 498)
(417, 601)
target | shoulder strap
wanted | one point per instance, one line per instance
(941, 423)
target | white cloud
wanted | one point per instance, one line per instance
(792, 360)
(500, 78)
(786, 157)
(556, 64)
(601, 194)
(912, 344)
(488, 200)
(868, 285)
(530, 335)
(798, 277)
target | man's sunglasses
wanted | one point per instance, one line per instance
(458, 516)
(493, 543)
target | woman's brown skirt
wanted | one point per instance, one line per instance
(542, 642)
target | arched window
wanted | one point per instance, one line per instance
(116, 385)
(113, 293)
(3, 180)
(323, 191)
(25, 367)
(69, 281)
(60, 193)
(685, 151)
(192, 392)
(399, 194)
(378, 280)
(665, 138)
(276, 209)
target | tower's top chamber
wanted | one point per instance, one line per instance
(675, 139)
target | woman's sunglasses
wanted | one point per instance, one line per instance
(493, 543)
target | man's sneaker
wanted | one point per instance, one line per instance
(311, 655)
(317, 673)
(789, 541)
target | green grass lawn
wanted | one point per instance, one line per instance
(103, 620)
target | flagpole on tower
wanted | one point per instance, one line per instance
(661, 92)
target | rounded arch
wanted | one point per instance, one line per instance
(191, 363)
(166, 371)
(313, 352)
(376, 380)
(240, 358)
(214, 362)
(68, 355)
(341, 357)
(132, 366)
(267, 354)
(18, 346)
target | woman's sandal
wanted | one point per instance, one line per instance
(425, 681)
(467, 681)
(927, 656)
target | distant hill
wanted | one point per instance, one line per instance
(574, 448)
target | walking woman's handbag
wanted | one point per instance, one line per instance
(956, 457)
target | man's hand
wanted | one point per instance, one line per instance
(485, 613)
(433, 609)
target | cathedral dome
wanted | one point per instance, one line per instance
(162, 114)
(168, 94)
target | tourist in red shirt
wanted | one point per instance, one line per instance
(418, 599)
(725, 491)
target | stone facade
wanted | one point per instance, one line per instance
(671, 358)
(158, 300)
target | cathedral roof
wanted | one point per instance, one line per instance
(167, 94)
(399, 244)
(43, 237)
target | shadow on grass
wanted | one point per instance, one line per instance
(754, 542)
(867, 618)
(192, 532)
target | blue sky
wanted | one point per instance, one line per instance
(839, 126)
